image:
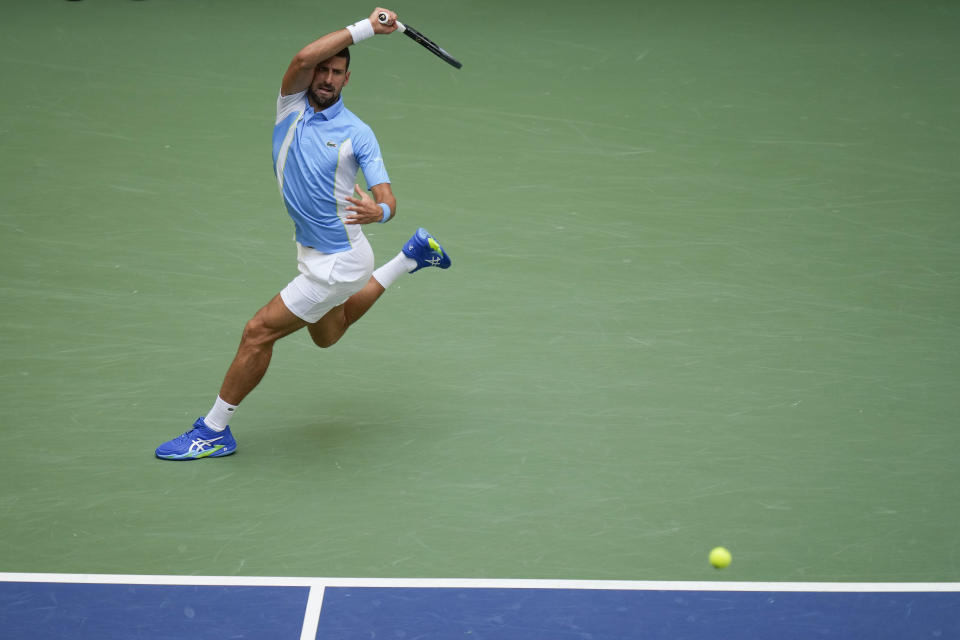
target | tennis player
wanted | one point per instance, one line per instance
(318, 147)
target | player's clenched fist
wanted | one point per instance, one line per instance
(383, 20)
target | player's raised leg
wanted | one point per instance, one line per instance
(422, 250)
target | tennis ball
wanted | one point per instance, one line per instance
(720, 558)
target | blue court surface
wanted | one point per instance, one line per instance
(81, 607)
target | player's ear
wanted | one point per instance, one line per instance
(346, 78)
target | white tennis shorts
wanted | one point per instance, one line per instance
(326, 280)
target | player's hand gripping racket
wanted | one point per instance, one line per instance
(427, 43)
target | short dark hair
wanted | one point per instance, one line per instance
(343, 53)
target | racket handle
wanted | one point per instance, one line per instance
(382, 19)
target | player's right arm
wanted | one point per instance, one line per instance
(300, 72)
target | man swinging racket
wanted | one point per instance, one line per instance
(318, 146)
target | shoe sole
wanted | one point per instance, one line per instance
(219, 453)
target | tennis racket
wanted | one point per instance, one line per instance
(423, 40)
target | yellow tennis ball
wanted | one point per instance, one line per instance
(720, 558)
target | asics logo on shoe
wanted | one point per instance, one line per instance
(434, 260)
(200, 445)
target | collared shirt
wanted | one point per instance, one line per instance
(316, 156)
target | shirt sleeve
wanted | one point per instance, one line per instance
(367, 151)
(294, 103)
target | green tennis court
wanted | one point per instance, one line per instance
(705, 291)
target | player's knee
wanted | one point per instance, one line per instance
(326, 334)
(256, 333)
(324, 341)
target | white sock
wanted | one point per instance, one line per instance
(388, 273)
(219, 415)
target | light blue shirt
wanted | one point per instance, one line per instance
(316, 157)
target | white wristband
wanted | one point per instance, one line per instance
(360, 30)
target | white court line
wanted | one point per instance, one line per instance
(470, 583)
(311, 620)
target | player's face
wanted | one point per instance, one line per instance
(329, 79)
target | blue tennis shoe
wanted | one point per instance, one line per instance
(425, 249)
(199, 442)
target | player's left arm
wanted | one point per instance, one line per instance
(366, 209)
